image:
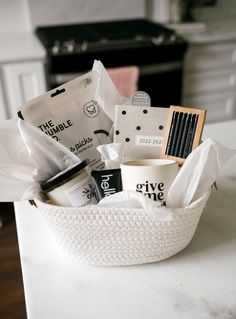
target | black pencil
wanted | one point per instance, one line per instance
(170, 134)
(175, 133)
(190, 136)
(182, 117)
(184, 135)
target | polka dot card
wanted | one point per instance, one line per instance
(140, 129)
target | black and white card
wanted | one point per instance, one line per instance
(140, 129)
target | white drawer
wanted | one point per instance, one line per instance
(208, 57)
(22, 82)
(3, 108)
(203, 82)
(219, 106)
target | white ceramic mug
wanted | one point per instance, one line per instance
(152, 177)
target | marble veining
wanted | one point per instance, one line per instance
(219, 311)
(186, 306)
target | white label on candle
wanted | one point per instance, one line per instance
(81, 193)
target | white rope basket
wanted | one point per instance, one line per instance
(121, 236)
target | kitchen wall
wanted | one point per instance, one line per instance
(14, 16)
(21, 15)
(173, 10)
(51, 12)
(223, 10)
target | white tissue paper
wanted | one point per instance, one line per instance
(199, 172)
(28, 156)
(132, 199)
(194, 180)
(111, 154)
(107, 91)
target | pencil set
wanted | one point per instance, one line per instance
(183, 132)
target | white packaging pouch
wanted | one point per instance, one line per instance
(78, 114)
(199, 172)
(28, 157)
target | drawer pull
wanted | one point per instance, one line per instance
(234, 56)
(232, 79)
(229, 106)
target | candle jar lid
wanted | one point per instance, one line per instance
(63, 176)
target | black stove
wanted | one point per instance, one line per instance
(73, 48)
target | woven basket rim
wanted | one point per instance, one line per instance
(40, 204)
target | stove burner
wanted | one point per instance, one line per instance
(92, 37)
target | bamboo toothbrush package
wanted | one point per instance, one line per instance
(77, 114)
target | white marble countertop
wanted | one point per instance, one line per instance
(19, 47)
(199, 282)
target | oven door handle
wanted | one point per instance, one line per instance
(145, 70)
(153, 69)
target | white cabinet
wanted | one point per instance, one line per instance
(3, 109)
(210, 79)
(22, 81)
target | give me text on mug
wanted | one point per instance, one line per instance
(152, 177)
